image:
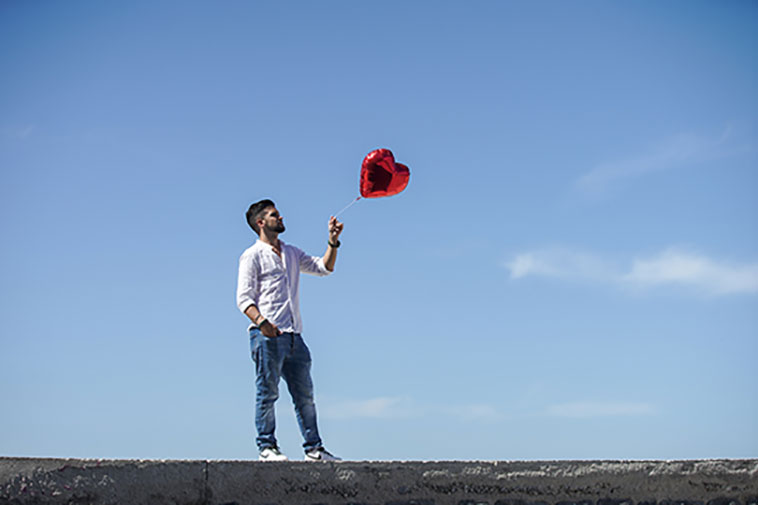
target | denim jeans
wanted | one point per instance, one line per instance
(285, 356)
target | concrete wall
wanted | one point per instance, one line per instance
(68, 481)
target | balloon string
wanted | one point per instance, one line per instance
(348, 206)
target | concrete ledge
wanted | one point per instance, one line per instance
(70, 481)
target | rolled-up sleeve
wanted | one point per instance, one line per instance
(313, 265)
(247, 283)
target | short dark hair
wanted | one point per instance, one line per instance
(255, 211)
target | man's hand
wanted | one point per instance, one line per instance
(330, 257)
(335, 228)
(269, 329)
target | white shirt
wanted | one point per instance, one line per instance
(271, 282)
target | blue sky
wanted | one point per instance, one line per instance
(572, 272)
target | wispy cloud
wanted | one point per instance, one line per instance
(17, 132)
(581, 410)
(385, 407)
(473, 412)
(402, 407)
(562, 263)
(681, 150)
(671, 267)
(700, 272)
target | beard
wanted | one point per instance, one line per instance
(277, 228)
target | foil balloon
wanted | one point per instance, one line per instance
(381, 175)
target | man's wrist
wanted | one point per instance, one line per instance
(260, 321)
(334, 244)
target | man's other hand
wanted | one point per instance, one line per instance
(269, 329)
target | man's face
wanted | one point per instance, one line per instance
(272, 221)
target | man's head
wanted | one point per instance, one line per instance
(263, 214)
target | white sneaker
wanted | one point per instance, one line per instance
(271, 454)
(320, 454)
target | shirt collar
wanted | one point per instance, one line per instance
(261, 244)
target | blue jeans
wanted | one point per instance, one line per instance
(285, 356)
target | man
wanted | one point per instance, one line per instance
(267, 293)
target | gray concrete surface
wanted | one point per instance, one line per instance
(69, 481)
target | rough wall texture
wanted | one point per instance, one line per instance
(67, 481)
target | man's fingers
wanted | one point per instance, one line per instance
(270, 330)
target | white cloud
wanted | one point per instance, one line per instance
(402, 407)
(473, 412)
(385, 407)
(599, 409)
(672, 267)
(17, 132)
(681, 150)
(563, 263)
(699, 272)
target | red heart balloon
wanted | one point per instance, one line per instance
(381, 176)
